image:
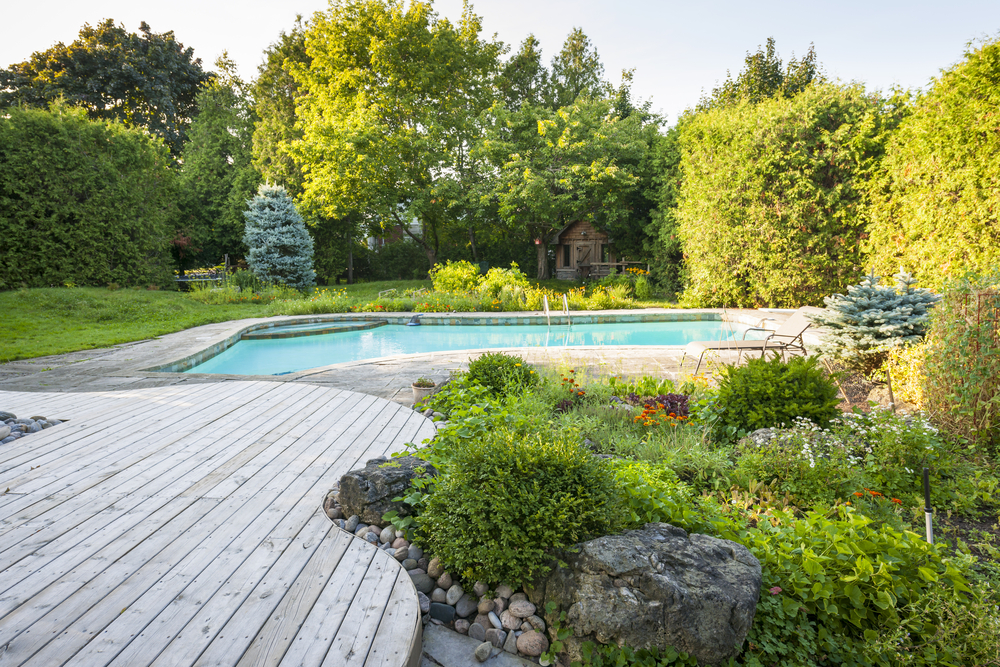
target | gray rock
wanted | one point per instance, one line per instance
(480, 589)
(442, 612)
(509, 620)
(532, 643)
(496, 637)
(55, 422)
(495, 621)
(466, 606)
(425, 603)
(399, 554)
(483, 620)
(422, 563)
(369, 491)
(416, 571)
(409, 564)
(352, 523)
(510, 645)
(335, 513)
(361, 530)
(499, 604)
(504, 591)
(461, 626)
(486, 605)
(434, 568)
(401, 543)
(422, 582)
(372, 538)
(416, 553)
(455, 593)
(4, 431)
(477, 632)
(24, 422)
(521, 608)
(45, 424)
(483, 651)
(695, 593)
(444, 581)
(37, 418)
(439, 595)
(516, 597)
(4, 416)
(536, 622)
(525, 627)
(9, 438)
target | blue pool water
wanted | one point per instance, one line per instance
(273, 357)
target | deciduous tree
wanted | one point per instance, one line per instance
(148, 80)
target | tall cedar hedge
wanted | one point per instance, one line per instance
(81, 201)
(770, 207)
(937, 208)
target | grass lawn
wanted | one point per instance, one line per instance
(40, 322)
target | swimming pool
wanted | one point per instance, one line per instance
(288, 355)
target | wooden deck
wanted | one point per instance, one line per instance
(183, 526)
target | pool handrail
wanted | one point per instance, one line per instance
(545, 303)
(569, 322)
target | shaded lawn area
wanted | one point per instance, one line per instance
(44, 321)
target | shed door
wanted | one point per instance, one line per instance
(584, 254)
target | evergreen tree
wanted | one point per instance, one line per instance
(280, 248)
(872, 319)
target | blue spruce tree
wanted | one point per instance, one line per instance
(280, 248)
(863, 326)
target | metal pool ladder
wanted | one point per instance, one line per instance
(569, 322)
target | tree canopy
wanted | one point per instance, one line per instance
(391, 96)
(144, 80)
(936, 204)
(763, 76)
(771, 202)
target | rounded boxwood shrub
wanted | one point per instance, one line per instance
(764, 393)
(502, 373)
(461, 276)
(508, 501)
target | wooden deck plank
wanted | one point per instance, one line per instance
(392, 643)
(197, 537)
(255, 503)
(354, 637)
(156, 475)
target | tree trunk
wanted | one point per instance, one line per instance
(431, 254)
(543, 261)
(472, 242)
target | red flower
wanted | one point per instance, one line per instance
(774, 590)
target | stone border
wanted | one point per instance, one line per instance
(458, 319)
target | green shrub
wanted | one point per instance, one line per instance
(497, 280)
(643, 291)
(510, 500)
(458, 276)
(502, 373)
(833, 586)
(962, 361)
(82, 201)
(765, 393)
(653, 493)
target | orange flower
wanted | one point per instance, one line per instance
(876, 494)
(897, 501)
(859, 494)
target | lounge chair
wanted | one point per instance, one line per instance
(787, 337)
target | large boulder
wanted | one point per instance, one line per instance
(656, 586)
(368, 492)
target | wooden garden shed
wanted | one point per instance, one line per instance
(582, 252)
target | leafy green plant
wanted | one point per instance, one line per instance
(502, 373)
(765, 393)
(498, 280)
(961, 383)
(509, 501)
(460, 276)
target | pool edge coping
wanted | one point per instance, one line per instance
(187, 362)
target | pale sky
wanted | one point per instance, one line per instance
(678, 49)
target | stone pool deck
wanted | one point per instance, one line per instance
(127, 366)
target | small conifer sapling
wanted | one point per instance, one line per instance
(280, 249)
